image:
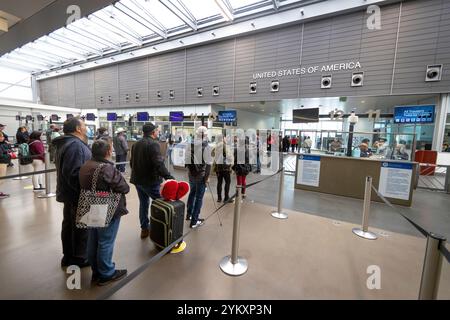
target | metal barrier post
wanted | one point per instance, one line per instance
(48, 193)
(432, 264)
(447, 179)
(279, 214)
(20, 171)
(234, 265)
(364, 232)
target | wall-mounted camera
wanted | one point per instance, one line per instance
(137, 97)
(357, 79)
(325, 83)
(252, 87)
(199, 92)
(40, 117)
(215, 91)
(171, 94)
(434, 73)
(127, 98)
(109, 99)
(275, 86)
(102, 100)
(159, 95)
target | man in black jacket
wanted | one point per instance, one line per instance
(72, 152)
(147, 168)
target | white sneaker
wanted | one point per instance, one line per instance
(199, 223)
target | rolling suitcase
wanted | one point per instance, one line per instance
(166, 221)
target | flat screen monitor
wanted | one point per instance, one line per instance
(40, 117)
(69, 115)
(54, 117)
(90, 116)
(111, 116)
(305, 115)
(28, 118)
(414, 114)
(176, 116)
(227, 116)
(18, 118)
(142, 116)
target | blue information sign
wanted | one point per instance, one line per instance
(414, 114)
(227, 116)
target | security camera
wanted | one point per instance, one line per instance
(159, 95)
(171, 94)
(252, 87)
(357, 79)
(215, 91)
(434, 73)
(102, 101)
(199, 92)
(326, 82)
(275, 86)
(110, 99)
(127, 98)
(137, 97)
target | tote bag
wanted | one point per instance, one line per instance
(96, 208)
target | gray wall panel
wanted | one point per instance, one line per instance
(133, 79)
(85, 89)
(66, 91)
(48, 90)
(107, 85)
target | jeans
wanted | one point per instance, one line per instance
(121, 158)
(223, 175)
(101, 247)
(74, 240)
(144, 194)
(195, 200)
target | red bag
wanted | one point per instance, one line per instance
(13, 155)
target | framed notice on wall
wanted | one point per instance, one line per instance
(308, 170)
(395, 180)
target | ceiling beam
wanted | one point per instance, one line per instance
(180, 14)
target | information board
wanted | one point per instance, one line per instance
(395, 180)
(414, 114)
(308, 170)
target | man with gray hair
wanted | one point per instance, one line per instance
(199, 170)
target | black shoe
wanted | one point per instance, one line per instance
(219, 200)
(64, 263)
(188, 218)
(76, 262)
(226, 200)
(94, 278)
(118, 274)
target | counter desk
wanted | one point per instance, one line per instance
(345, 176)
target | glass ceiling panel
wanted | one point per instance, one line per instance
(79, 39)
(236, 4)
(160, 12)
(202, 9)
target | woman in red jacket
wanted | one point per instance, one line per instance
(37, 151)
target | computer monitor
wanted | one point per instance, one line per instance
(305, 115)
(414, 114)
(90, 116)
(176, 116)
(142, 116)
(227, 116)
(111, 116)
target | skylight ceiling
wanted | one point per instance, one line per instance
(130, 24)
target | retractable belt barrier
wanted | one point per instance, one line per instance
(160, 254)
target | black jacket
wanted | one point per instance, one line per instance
(199, 169)
(109, 179)
(147, 163)
(242, 167)
(5, 158)
(71, 154)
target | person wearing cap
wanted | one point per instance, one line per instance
(199, 170)
(147, 171)
(121, 148)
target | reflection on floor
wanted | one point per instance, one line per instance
(307, 256)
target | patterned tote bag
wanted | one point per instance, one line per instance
(96, 208)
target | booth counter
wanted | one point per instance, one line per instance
(345, 176)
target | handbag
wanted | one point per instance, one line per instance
(96, 208)
(13, 155)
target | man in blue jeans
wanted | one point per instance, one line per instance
(147, 171)
(199, 170)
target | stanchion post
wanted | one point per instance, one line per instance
(234, 265)
(48, 192)
(447, 179)
(364, 231)
(432, 265)
(279, 214)
(20, 171)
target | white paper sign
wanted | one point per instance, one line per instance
(96, 217)
(395, 180)
(308, 170)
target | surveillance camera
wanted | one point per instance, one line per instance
(127, 98)
(137, 97)
(215, 91)
(326, 82)
(252, 87)
(357, 79)
(434, 73)
(199, 92)
(275, 86)
(302, 12)
(171, 94)
(159, 95)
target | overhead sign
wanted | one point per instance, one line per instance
(227, 116)
(395, 180)
(301, 70)
(308, 170)
(414, 114)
